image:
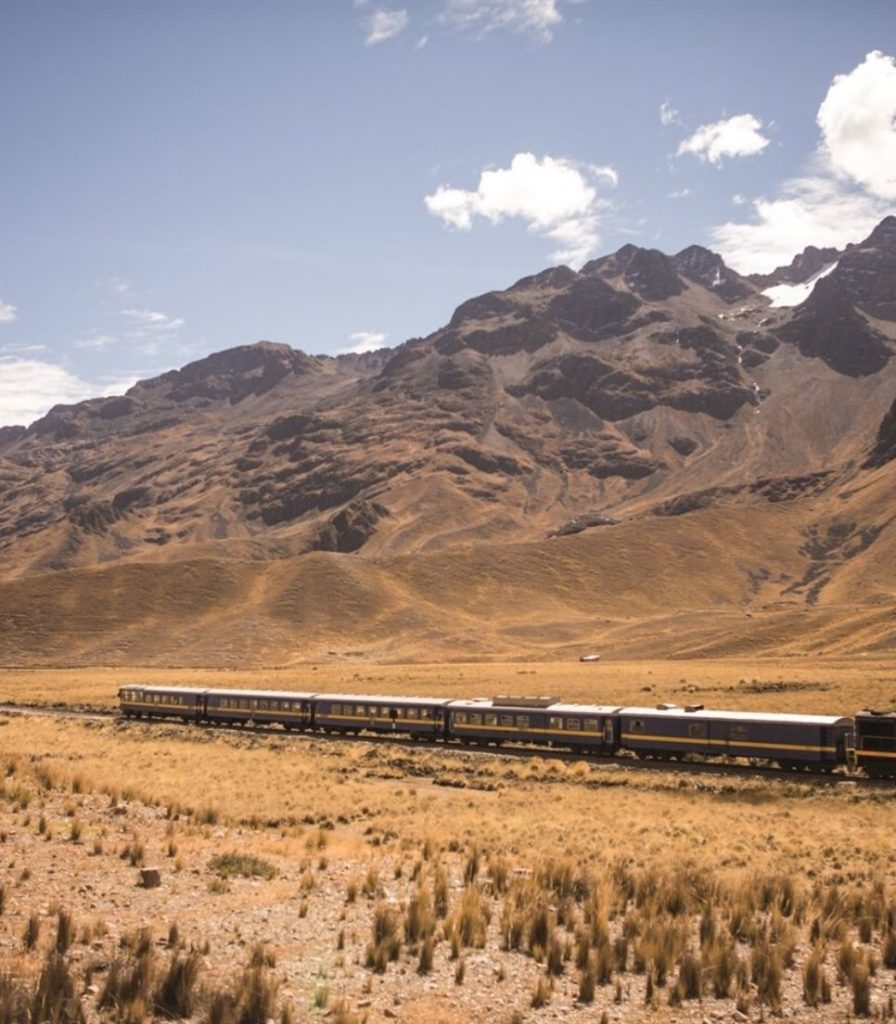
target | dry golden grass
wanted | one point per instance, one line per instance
(536, 878)
(836, 685)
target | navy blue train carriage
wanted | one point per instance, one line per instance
(820, 742)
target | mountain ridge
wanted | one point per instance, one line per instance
(641, 390)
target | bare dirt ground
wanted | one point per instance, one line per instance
(444, 886)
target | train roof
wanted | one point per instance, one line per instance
(265, 694)
(484, 703)
(769, 717)
(382, 698)
(193, 690)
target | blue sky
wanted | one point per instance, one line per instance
(178, 178)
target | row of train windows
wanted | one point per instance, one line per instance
(254, 704)
(380, 711)
(522, 721)
(157, 698)
(696, 730)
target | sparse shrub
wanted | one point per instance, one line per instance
(351, 892)
(257, 997)
(767, 973)
(419, 920)
(230, 865)
(471, 868)
(173, 936)
(888, 949)
(460, 971)
(471, 918)
(75, 830)
(371, 886)
(262, 956)
(554, 957)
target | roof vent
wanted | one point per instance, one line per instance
(693, 707)
(666, 707)
(504, 700)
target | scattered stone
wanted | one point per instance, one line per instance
(151, 878)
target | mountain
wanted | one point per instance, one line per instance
(645, 409)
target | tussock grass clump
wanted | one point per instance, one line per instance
(768, 970)
(420, 921)
(860, 983)
(14, 1001)
(471, 918)
(65, 931)
(245, 865)
(32, 932)
(888, 949)
(176, 992)
(55, 999)
(385, 944)
(541, 995)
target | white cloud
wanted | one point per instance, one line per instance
(738, 199)
(811, 210)
(668, 114)
(536, 18)
(29, 388)
(737, 136)
(553, 196)
(8, 313)
(681, 193)
(421, 42)
(858, 124)
(384, 24)
(97, 341)
(365, 341)
(847, 187)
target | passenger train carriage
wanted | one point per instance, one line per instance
(822, 742)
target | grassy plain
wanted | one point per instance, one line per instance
(836, 685)
(447, 886)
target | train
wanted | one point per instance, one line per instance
(669, 732)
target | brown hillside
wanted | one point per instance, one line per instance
(644, 456)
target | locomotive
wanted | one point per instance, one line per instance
(665, 731)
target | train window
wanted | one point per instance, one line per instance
(359, 710)
(573, 723)
(425, 713)
(507, 720)
(460, 717)
(244, 704)
(491, 719)
(411, 713)
(555, 722)
(522, 721)
(475, 719)
(636, 725)
(697, 730)
(738, 732)
(592, 725)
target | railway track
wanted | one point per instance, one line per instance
(741, 771)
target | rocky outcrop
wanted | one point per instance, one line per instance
(803, 266)
(708, 269)
(827, 326)
(884, 449)
(350, 529)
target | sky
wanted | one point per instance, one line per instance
(177, 178)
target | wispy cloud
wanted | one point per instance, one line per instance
(848, 185)
(365, 341)
(535, 18)
(8, 313)
(97, 341)
(383, 24)
(553, 196)
(736, 136)
(668, 114)
(681, 193)
(152, 320)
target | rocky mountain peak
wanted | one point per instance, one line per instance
(232, 375)
(648, 273)
(803, 266)
(707, 268)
